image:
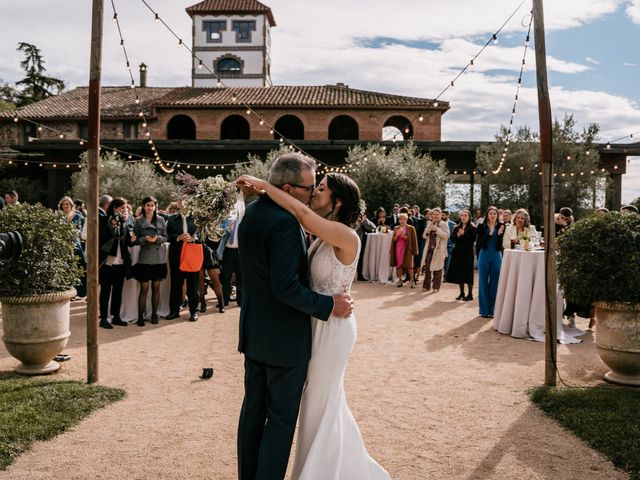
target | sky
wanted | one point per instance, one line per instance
(593, 58)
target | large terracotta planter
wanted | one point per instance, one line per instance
(618, 341)
(36, 329)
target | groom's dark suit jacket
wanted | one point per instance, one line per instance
(277, 303)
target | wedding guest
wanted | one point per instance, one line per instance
(563, 219)
(461, 265)
(80, 207)
(381, 217)
(228, 252)
(150, 231)
(489, 248)
(115, 261)
(420, 224)
(628, 209)
(450, 244)
(67, 206)
(602, 210)
(521, 226)
(506, 216)
(11, 198)
(478, 219)
(172, 208)
(436, 236)
(403, 248)
(181, 229)
(211, 267)
(1, 203)
(363, 227)
(393, 218)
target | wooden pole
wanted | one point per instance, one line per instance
(546, 154)
(92, 194)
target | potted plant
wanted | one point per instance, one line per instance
(36, 287)
(599, 264)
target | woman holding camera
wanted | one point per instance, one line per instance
(115, 261)
(150, 231)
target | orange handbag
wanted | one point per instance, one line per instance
(191, 257)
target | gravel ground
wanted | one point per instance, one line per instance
(436, 391)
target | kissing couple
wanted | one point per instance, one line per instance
(297, 328)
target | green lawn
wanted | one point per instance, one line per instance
(608, 419)
(39, 409)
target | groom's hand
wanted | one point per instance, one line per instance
(342, 305)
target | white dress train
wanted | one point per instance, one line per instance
(329, 444)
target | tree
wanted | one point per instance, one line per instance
(36, 85)
(518, 184)
(8, 96)
(398, 175)
(131, 180)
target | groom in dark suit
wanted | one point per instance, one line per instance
(275, 327)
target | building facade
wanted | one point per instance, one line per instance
(231, 42)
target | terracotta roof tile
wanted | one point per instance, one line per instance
(119, 102)
(289, 96)
(115, 102)
(231, 6)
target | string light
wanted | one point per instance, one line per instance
(492, 39)
(141, 114)
(515, 100)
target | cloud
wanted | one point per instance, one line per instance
(627, 64)
(633, 11)
(591, 60)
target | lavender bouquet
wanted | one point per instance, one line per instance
(209, 202)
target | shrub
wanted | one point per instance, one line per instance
(599, 259)
(48, 262)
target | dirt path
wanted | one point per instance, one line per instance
(436, 391)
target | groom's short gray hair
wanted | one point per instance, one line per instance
(288, 168)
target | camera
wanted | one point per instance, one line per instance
(119, 218)
(10, 246)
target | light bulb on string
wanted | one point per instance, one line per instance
(157, 18)
(115, 17)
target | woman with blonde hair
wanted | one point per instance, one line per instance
(436, 236)
(67, 206)
(521, 225)
(403, 247)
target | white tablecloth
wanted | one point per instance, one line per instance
(129, 307)
(375, 264)
(520, 302)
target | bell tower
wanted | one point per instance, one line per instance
(232, 38)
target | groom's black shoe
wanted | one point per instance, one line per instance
(193, 317)
(172, 316)
(106, 324)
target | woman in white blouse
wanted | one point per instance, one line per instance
(519, 224)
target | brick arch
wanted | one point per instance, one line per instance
(290, 127)
(400, 122)
(344, 127)
(235, 127)
(181, 127)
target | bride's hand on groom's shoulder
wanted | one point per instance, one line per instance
(342, 305)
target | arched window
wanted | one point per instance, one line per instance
(343, 127)
(397, 128)
(235, 127)
(181, 127)
(228, 66)
(289, 126)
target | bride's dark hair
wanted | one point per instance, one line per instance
(344, 189)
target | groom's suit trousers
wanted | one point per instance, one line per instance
(268, 419)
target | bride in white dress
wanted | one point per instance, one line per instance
(329, 445)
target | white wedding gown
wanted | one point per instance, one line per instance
(329, 445)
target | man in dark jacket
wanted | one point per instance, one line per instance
(275, 326)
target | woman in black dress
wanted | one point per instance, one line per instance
(461, 265)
